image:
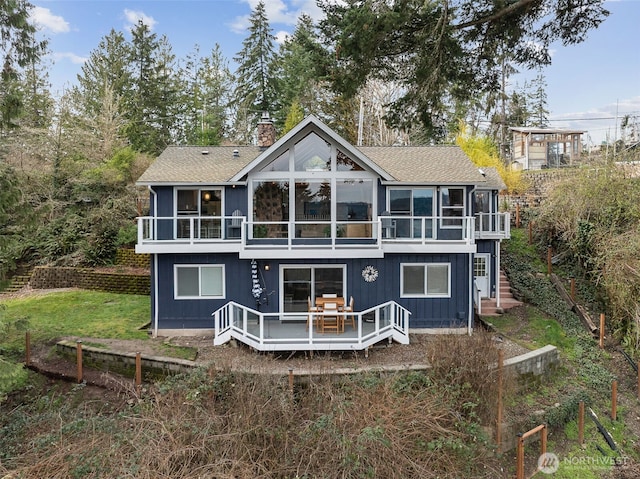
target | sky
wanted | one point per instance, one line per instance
(590, 86)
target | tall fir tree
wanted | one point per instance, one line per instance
(19, 49)
(538, 101)
(207, 89)
(295, 70)
(256, 85)
(151, 101)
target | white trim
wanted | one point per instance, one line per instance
(311, 124)
(425, 293)
(199, 267)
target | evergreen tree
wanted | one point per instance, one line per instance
(295, 70)
(208, 85)
(106, 72)
(444, 51)
(256, 85)
(151, 102)
(18, 49)
(538, 102)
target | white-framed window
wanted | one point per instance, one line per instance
(452, 201)
(195, 281)
(425, 280)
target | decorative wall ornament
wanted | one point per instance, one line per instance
(370, 274)
(256, 288)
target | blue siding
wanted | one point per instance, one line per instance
(426, 312)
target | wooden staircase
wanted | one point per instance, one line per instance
(489, 306)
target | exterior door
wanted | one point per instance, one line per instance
(482, 272)
(299, 283)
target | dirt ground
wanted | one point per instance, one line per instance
(236, 356)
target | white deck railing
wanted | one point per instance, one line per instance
(298, 331)
(216, 229)
(493, 225)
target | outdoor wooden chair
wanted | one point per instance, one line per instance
(312, 310)
(330, 318)
(349, 309)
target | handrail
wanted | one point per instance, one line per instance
(399, 228)
(247, 325)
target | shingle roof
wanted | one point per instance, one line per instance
(421, 164)
(494, 180)
(425, 164)
(188, 164)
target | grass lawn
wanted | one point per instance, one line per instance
(75, 313)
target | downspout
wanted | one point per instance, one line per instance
(155, 271)
(472, 285)
(499, 242)
(471, 296)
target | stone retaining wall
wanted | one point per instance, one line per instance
(124, 363)
(129, 257)
(45, 277)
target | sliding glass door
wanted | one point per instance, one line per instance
(299, 283)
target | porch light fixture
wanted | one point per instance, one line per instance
(267, 267)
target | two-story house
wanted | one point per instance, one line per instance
(261, 243)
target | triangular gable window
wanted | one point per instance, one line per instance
(312, 153)
(344, 163)
(279, 164)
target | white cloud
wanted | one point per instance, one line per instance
(282, 36)
(75, 59)
(601, 123)
(45, 20)
(132, 18)
(279, 12)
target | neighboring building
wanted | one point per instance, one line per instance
(536, 148)
(243, 239)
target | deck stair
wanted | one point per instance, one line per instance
(507, 301)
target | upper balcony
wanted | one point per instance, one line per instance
(493, 225)
(270, 239)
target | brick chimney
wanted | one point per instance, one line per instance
(266, 131)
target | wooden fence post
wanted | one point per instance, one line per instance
(614, 400)
(601, 330)
(517, 215)
(291, 381)
(638, 368)
(27, 340)
(581, 423)
(549, 251)
(530, 232)
(520, 458)
(79, 360)
(138, 371)
(499, 414)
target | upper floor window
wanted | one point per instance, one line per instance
(411, 201)
(203, 204)
(312, 153)
(452, 200)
